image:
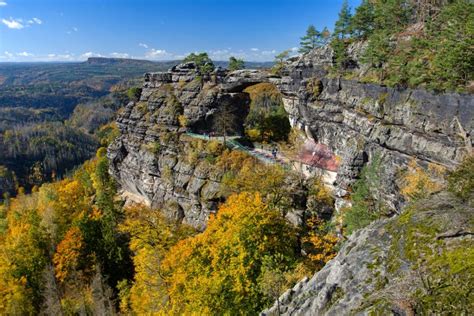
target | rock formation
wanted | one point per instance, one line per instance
(381, 269)
(354, 121)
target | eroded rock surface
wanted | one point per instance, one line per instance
(355, 122)
(397, 266)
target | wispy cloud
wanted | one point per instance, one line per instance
(74, 29)
(254, 49)
(158, 54)
(24, 54)
(143, 45)
(35, 21)
(3, 3)
(119, 55)
(12, 23)
(91, 54)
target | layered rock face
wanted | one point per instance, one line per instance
(355, 122)
(154, 161)
(398, 266)
(360, 121)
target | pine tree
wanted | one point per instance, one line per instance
(362, 23)
(343, 24)
(236, 64)
(325, 35)
(311, 40)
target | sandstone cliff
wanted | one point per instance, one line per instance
(355, 121)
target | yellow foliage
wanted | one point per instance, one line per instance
(214, 148)
(320, 245)
(68, 253)
(22, 258)
(217, 270)
(321, 192)
(151, 237)
(419, 183)
(253, 134)
(183, 121)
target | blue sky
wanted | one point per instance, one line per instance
(69, 30)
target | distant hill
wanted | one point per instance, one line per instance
(64, 85)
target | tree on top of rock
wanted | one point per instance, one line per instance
(310, 41)
(202, 61)
(313, 39)
(236, 63)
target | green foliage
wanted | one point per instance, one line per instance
(313, 39)
(134, 93)
(236, 63)
(366, 205)
(362, 23)
(280, 61)
(267, 119)
(410, 43)
(202, 61)
(461, 180)
(340, 57)
(378, 51)
(342, 28)
(443, 268)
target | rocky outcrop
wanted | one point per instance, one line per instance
(153, 160)
(353, 121)
(398, 266)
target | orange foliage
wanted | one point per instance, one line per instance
(68, 253)
(419, 183)
(217, 270)
(321, 245)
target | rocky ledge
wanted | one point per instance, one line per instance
(420, 262)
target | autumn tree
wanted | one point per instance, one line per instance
(217, 270)
(151, 238)
(23, 258)
(319, 243)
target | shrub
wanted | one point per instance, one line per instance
(134, 93)
(418, 183)
(461, 180)
(366, 205)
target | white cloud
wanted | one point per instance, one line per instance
(8, 54)
(24, 54)
(119, 55)
(143, 45)
(268, 52)
(13, 23)
(3, 3)
(90, 54)
(75, 29)
(158, 54)
(34, 21)
(254, 49)
(294, 49)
